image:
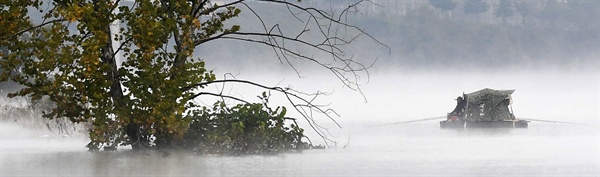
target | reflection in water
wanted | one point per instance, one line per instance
(412, 149)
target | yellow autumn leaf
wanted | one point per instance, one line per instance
(196, 22)
(72, 19)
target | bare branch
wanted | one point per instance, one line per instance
(345, 68)
(221, 95)
(337, 71)
(333, 34)
(306, 107)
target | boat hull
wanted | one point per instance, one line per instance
(483, 124)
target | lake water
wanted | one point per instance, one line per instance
(416, 149)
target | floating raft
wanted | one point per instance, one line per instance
(486, 108)
(458, 124)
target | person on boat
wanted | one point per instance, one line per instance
(460, 107)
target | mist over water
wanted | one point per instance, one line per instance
(367, 144)
(407, 150)
(427, 69)
(403, 94)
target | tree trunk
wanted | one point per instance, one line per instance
(136, 140)
(116, 92)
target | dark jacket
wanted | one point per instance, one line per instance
(460, 106)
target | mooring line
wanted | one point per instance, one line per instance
(412, 121)
(444, 117)
(552, 121)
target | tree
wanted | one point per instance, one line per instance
(504, 10)
(583, 14)
(146, 100)
(443, 5)
(476, 7)
(3, 51)
(553, 12)
(524, 8)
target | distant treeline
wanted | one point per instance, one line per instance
(529, 33)
(477, 33)
(422, 38)
(426, 33)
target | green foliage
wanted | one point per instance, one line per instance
(145, 101)
(242, 129)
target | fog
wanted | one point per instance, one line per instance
(418, 149)
(366, 146)
(390, 96)
(404, 94)
(555, 73)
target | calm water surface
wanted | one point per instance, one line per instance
(544, 149)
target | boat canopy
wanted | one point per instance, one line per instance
(489, 105)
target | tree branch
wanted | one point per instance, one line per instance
(305, 109)
(31, 28)
(221, 95)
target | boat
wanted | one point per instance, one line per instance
(486, 108)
